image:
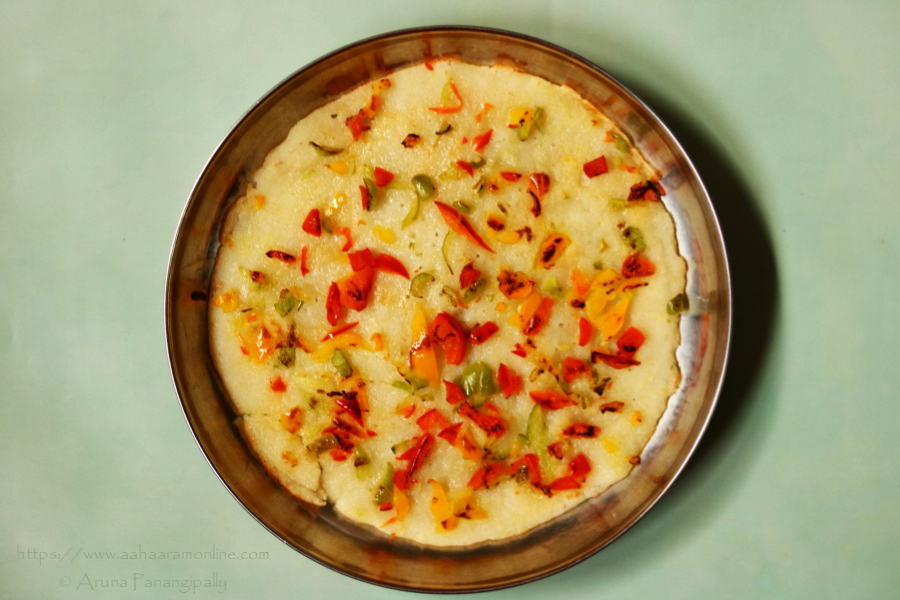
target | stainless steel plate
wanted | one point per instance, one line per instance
(360, 552)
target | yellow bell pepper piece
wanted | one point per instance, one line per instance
(444, 518)
(610, 323)
(344, 340)
(422, 360)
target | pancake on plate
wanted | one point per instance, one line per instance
(448, 303)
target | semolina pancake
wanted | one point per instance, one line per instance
(447, 304)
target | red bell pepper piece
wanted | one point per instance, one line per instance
(630, 342)
(339, 330)
(312, 224)
(333, 306)
(581, 430)
(432, 419)
(383, 177)
(490, 424)
(532, 465)
(348, 237)
(455, 394)
(539, 184)
(350, 405)
(460, 224)
(596, 167)
(540, 318)
(282, 256)
(416, 455)
(357, 124)
(355, 289)
(551, 400)
(362, 259)
(450, 335)
(483, 332)
(304, 269)
(465, 166)
(573, 369)
(637, 266)
(487, 474)
(482, 140)
(468, 275)
(388, 264)
(585, 330)
(278, 385)
(649, 191)
(616, 361)
(510, 382)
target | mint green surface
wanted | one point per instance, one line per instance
(791, 112)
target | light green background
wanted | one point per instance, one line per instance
(791, 110)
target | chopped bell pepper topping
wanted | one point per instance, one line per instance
(483, 332)
(362, 259)
(634, 239)
(490, 424)
(356, 288)
(630, 341)
(278, 385)
(648, 191)
(551, 249)
(368, 193)
(616, 361)
(388, 264)
(424, 186)
(325, 150)
(596, 167)
(445, 110)
(333, 305)
(282, 256)
(383, 177)
(312, 224)
(340, 362)
(678, 304)
(422, 360)
(514, 284)
(551, 400)
(455, 394)
(480, 141)
(460, 225)
(466, 166)
(510, 382)
(581, 430)
(574, 368)
(637, 266)
(468, 275)
(356, 124)
(339, 330)
(419, 284)
(348, 237)
(304, 267)
(538, 184)
(416, 456)
(539, 319)
(487, 474)
(432, 419)
(447, 332)
(585, 330)
(478, 382)
(292, 420)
